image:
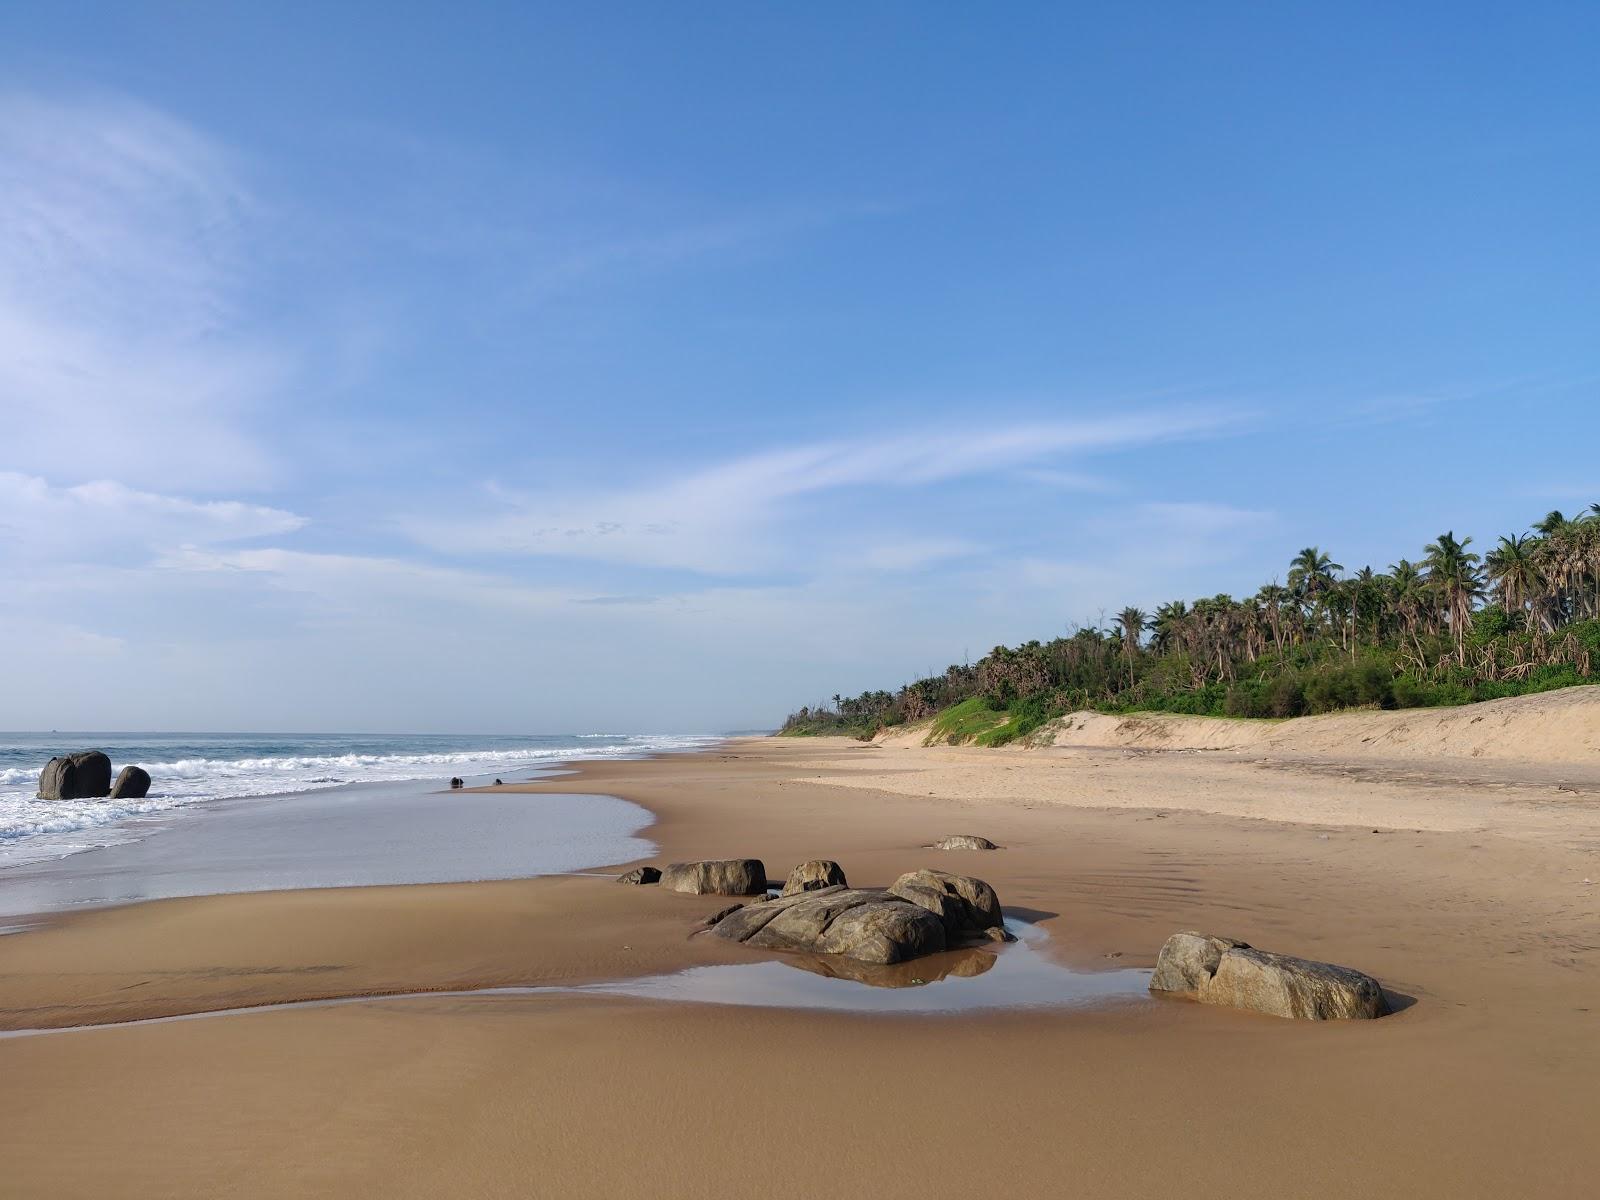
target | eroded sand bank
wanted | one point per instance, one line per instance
(1489, 1084)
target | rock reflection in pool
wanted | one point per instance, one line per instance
(966, 964)
(1014, 976)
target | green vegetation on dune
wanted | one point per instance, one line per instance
(970, 721)
(975, 720)
(1451, 629)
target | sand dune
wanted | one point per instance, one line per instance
(1553, 727)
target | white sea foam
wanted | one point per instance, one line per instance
(32, 829)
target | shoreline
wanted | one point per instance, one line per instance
(188, 850)
(452, 1095)
(216, 773)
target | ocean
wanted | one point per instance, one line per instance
(192, 770)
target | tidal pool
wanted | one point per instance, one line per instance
(1009, 976)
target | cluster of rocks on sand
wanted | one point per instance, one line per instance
(86, 775)
(817, 911)
(922, 912)
(927, 911)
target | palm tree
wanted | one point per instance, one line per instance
(1168, 621)
(1554, 522)
(1272, 598)
(1514, 569)
(1370, 605)
(1453, 571)
(1311, 572)
(1408, 593)
(1133, 622)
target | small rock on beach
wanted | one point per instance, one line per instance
(815, 874)
(965, 841)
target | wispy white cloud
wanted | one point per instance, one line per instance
(718, 519)
(83, 521)
(120, 262)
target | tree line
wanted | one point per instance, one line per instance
(1451, 627)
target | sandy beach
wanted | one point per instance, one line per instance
(1461, 881)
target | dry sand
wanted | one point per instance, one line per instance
(1472, 902)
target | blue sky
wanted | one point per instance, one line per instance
(553, 367)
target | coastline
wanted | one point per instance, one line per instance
(366, 834)
(201, 775)
(1480, 921)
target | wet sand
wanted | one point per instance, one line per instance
(1487, 1085)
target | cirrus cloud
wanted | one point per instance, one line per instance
(39, 520)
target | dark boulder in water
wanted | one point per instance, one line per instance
(85, 775)
(133, 783)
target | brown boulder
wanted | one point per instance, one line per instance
(716, 877)
(640, 875)
(1189, 959)
(965, 841)
(818, 873)
(869, 926)
(966, 906)
(1228, 972)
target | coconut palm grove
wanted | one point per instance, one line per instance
(1450, 628)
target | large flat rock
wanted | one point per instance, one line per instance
(864, 924)
(1227, 972)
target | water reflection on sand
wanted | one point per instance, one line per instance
(981, 978)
